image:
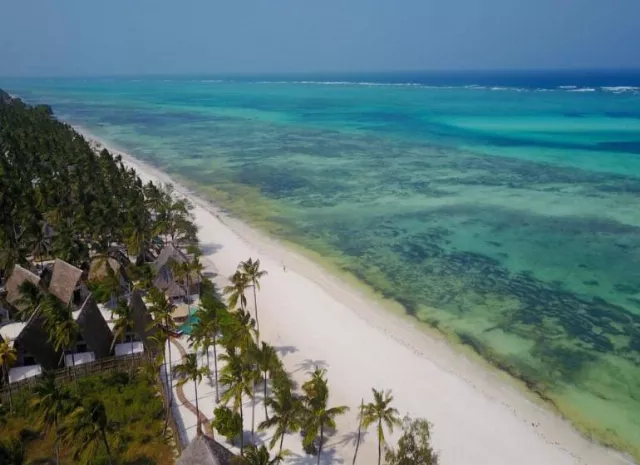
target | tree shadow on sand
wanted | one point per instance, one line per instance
(210, 249)
(310, 365)
(328, 457)
(285, 350)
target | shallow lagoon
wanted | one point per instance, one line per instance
(508, 219)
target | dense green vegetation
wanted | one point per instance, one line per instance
(76, 421)
(52, 180)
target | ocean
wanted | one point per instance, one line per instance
(502, 209)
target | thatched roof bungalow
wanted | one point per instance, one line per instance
(18, 276)
(66, 283)
(95, 333)
(142, 321)
(99, 268)
(31, 342)
(166, 282)
(204, 450)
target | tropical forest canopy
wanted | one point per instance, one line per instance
(59, 198)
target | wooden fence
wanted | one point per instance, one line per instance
(63, 375)
(103, 365)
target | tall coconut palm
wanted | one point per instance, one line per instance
(286, 410)
(85, 430)
(30, 297)
(237, 289)
(161, 309)
(267, 361)
(318, 416)
(211, 314)
(52, 403)
(188, 370)
(251, 270)
(382, 414)
(236, 377)
(123, 324)
(8, 356)
(61, 326)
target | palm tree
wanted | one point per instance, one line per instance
(189, 371)
(260, 456)
(355, 453)
(123, 325)
(161, 309)
(30, 297)
(236, 290)
(61, 326)
(286, 410)
(380, 412)
(205, 332)
(86, 429)
(253, 273)
(237, 378)
(238, 329)
(8, 356)
(319, 417)
(53, 404)
(267, 361)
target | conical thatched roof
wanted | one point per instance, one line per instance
(142, 321)
(35, 340)
(167, 254)
(18, 276)
(95, 331)
(203, 450)
(64, 280)
(98, 269)
(164, 279)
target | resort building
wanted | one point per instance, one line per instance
(99, 269)
(12, 295)
(32, 345)
(67, 285)
(165, 280)
(204, 450)
(95, 337)
(135, 339)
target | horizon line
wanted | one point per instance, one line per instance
(335, 73)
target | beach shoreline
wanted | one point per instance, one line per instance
(474, 410)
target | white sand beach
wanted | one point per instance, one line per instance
(313, 318)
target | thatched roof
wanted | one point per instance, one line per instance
(167, 254)
(64, 280)
(164, 279)
(94, 328)
(98, 268)
(203, 450)
(35, 340)
(142, 321)
(18, 276)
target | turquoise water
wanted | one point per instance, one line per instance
(190, 321)
(502, 210)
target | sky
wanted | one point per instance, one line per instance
(138, 37)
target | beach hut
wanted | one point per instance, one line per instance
(66, 283)
(142, 321)
(166, 282)
(32, 345)
(95, 335)
(204, 450)
(98, 270)
(12, 288)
